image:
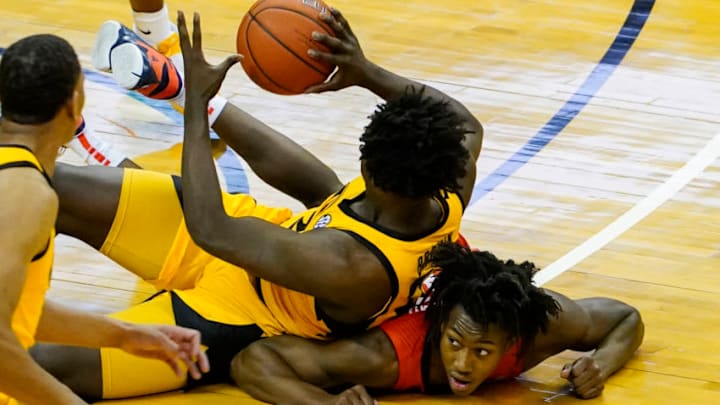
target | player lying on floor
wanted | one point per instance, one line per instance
(485, 320)
(237, 270)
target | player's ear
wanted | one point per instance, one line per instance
(76, 102)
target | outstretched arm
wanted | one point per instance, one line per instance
(355, 69)
(275, 158)
(172, 344)
(266, 250)
(293, 370)
(613, 329)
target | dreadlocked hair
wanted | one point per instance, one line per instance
(490, 291)
(413, 146)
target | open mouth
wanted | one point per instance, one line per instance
(458, 384)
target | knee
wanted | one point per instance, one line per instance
(77, 367)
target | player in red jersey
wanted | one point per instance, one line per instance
(485, 320)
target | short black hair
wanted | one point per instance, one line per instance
(413, 147)
(38, 74)
(491, 291)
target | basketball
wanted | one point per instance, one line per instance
(274, 38)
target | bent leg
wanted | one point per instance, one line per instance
(89, 198)
(131, 216)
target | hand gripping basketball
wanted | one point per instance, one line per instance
(352, 66)
(274, 37)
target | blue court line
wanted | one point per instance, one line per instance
(613, 57)
(230, 165)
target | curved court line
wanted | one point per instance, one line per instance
(229, 163)
(613, 57)
(657, 197)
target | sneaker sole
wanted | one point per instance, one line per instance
(107, 37)
(127, 61)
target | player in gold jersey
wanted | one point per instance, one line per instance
(41, 91)
(237, 270)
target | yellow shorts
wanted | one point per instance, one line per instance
(149, 236)
(125, 375)
(6, 400)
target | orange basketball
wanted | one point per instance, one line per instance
(274, 38)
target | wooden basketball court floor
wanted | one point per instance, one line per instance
(599, 163)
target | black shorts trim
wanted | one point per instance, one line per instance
(177, 183)
(223, 341)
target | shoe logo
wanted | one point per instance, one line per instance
(145, 32)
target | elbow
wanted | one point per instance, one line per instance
(474, 137)
(635, 319)
(475, 126)
(630, 321)
(243, 367)
(203, 230)
(248, 369)
(201, 236)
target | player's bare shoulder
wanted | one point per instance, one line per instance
(351, 249)
(26, 193)
(357, 267)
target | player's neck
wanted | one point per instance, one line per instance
(400, 214)
(40, 139)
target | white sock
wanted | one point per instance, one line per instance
(92, 149)
(153, 27)
(215, 107)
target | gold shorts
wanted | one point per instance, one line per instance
(149, 236)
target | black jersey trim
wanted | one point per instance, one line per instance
(347, 210)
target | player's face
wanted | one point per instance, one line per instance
(469, 353)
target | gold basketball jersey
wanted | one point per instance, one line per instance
(37, 280)
(400, 254)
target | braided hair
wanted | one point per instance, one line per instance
(491, 291)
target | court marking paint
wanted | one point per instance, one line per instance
(643, 208)
(624, 40)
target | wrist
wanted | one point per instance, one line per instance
(605, 369)
(371, 76)
(118, 333)
(216, 105)
(384, 83)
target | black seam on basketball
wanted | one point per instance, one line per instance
(254, 60)
(311, 66)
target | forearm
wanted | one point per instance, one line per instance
(202, 199)
(388, 85)
(266, 375)
(65, 325)
(275, 158)
(23, 379)
(620, 344)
